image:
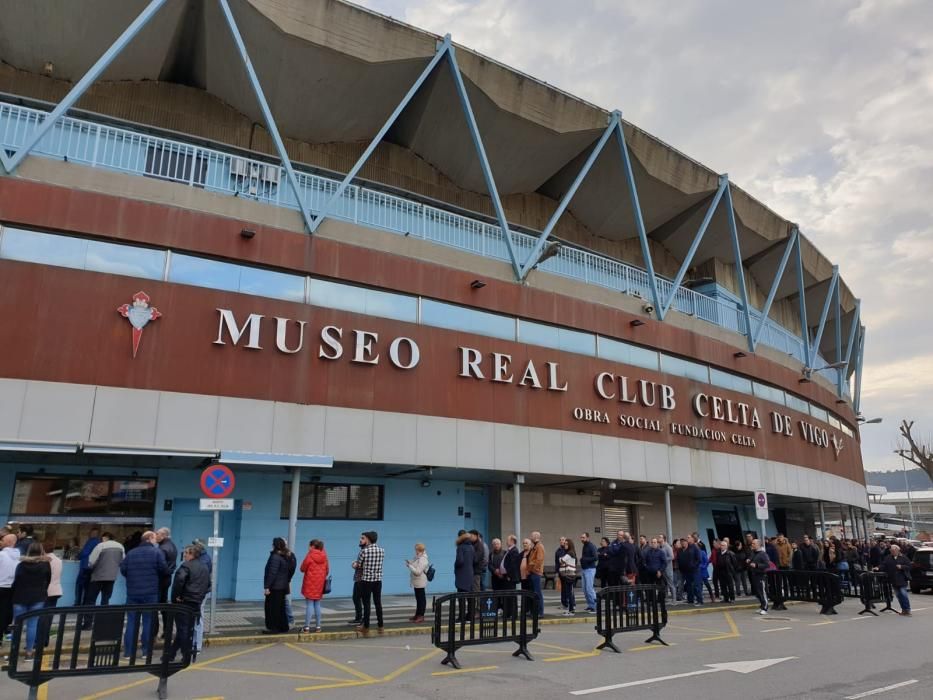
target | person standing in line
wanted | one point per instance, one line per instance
(371, 560)
(276, 583)
(417, 572)
(741, 567)
(499, 578)
(689, 563)
(725, 568)
(668, 566)
(602, 562)
(784, 552)
(618, 559)
(190, 586)
(205, 560)
(633, 557)
(588, 570)
(315, 568)
(704, 571)
(103, 566)
(29, 591)
(53, 594)
(9, 559)
(897, 567)
(679, 593)
(713, 560)
(566, 569)
(143, 569)
(809, 554)
(512, 563)
(536, 569)
(757, 568)
(24, 539)
(463, 569)
(83, 579)
(654, 563)
(480, 560)
(293, 564)
(170, 552)
(357, 597)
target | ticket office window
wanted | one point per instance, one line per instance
(62, 510)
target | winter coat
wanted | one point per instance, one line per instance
(689, 560)
(761, 562)
(655, 562)
(31, 581)
(86, 552)
(588, 556)
(897, 569)
(416, 569)
(785, 553)
(55, 585)
(810, 556)
(192, 582)
(704, 563)
(536, 559)
(143, 567)
(513, 564)
(170, 552)
(726, 564)
(602, 562)
(278, 573)
(463, 563)
(104, 561)
(315, 567)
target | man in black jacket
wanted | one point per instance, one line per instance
(192, 582)
(897, 568)
(688, 561)
(809, 554)
(170, 552)
(588, 570)
(757, 568)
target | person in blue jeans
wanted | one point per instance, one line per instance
(143, 567)
(588, 561)
(30, 590)
(897, 567)
(688, 562)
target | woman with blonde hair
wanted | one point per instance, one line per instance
(417, 571)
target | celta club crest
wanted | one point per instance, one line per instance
(139, 313)
(837, 445)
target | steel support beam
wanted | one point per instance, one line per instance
(267, 117)
(859, 361)
(370, 149)
(94, 72)
(838, 337)
(568, 195)
(483, 160)
(815, 348)
(694, 246)
(774, 285)
(853, 327)
(822, 522)
(639, 219)
(801, 293)
(739, 270)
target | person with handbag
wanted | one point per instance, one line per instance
(316, 570)
(417, 571)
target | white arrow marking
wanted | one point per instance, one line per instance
(737, 666)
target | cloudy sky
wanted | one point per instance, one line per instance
(821, 109)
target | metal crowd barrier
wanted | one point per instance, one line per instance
(629, 609)
(85, 641)
(484, 617)
(875, 588)
(821, 587)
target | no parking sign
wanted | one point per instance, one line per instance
(217, 481)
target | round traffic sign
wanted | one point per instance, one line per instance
(762, 500)
(217, 481)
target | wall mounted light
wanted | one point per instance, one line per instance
(247, 233)
(637, 322)
(477, 284)
(738, 354)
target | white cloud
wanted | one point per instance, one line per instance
(823, 110)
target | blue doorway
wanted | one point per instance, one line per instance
(189, 523)
(475, 510)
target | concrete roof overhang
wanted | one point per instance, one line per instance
(333, 72)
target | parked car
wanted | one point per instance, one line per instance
(921, 573)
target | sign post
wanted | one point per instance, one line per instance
(761, 510)
(217, 482)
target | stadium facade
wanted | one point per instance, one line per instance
(290, 234)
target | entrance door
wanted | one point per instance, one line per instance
(190, 523)
(475, 510)
(727, 525)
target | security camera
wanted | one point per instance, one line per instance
(612, 486)
(647, 308)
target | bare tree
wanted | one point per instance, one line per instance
(916, 451)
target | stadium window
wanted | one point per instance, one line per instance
(558, 338)
(769, 393)
(727, 380)
(126, 260)
(201, 272)
(819, 413)
(459, 318)
(335, 501)
(617, 351)
(45, 248)
(833, 421)
(797, 404)
(684, 368)
(275, 285)
(372, 302)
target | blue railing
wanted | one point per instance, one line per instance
(104, 146)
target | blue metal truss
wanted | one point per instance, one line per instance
(739, 270)
(93, 73)
(535, 254)
(791, 241)
(859, 361)
(802, 300)
(853, 327)
(815, 347)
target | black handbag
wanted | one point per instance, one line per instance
(327, 585)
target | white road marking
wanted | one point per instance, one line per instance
(876, 691)
(778, 629)
(737, 666)
(856, 619)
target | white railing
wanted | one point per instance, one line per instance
(103, 146)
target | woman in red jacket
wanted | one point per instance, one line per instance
(315, 568)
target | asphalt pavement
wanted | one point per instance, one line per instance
(722, 654)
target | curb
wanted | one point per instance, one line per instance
(408, 631)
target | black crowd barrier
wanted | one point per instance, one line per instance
(875, 588)
(821, 587)
(83, 641)
(485, 617)
(630, 609)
